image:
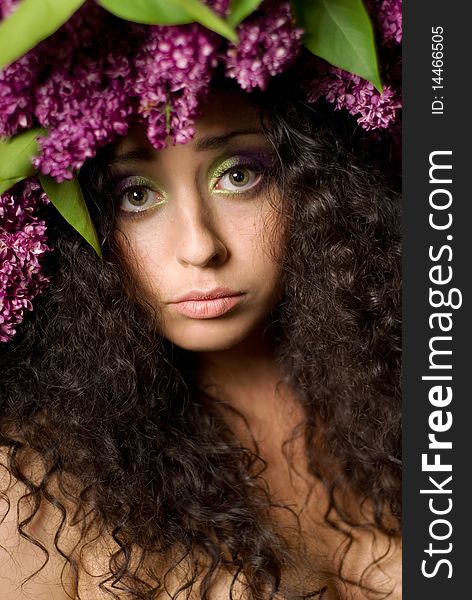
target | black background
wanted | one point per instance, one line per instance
(422, 134)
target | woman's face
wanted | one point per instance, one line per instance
(196, 228)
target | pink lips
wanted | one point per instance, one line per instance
(206, 305)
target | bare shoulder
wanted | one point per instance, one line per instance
(19, 557)
(32, 555)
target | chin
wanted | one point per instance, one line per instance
(207, 335)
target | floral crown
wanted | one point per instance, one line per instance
(74, 74)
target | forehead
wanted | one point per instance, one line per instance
(223, 111)
(226, 110)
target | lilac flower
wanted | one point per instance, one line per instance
(7, 7)
(268, 43)
(174, 68)
(358, 96)
(22, 247)
(390, 18)
(17, 84)
(388, 15)
(83, 108)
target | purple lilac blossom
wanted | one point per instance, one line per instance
(374, 110)
(390, 17)
(7, 7)
(387, 14)
(268, 43)
(83, 110)
(22, 247)
(174, 68)
(17, 83)
(84, 102)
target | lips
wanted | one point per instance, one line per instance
(206, 305)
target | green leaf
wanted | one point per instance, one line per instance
(15, 157)
(169, 12)
(30, 23)
(67, 197)
(240, 9)
(148, 12)
(341, 32)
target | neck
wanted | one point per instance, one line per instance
(246, 376)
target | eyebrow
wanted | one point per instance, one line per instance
(201, 145)
(218, 141)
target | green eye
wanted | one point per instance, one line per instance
(239, 177)
(236, 179)
(137, 195)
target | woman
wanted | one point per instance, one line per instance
(214, 408)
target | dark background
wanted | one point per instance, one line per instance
(423, 133)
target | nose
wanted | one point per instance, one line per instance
(199, 244)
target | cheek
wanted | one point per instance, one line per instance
(142, 260)
(262, 249)
(269, 237)
(274, 244)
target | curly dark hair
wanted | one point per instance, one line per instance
(115, 416)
